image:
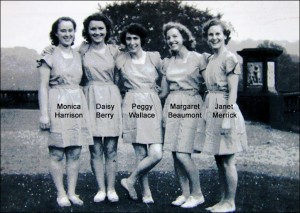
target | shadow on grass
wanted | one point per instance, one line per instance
(255, 193)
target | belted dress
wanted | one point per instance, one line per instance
(182, 109)
(103, 96)
(67, 106)
(141, 107)
(209, 137)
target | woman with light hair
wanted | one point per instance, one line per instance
(182, 109)
(222, 132)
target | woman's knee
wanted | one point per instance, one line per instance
(228, 162)
(96, 150)
(157, 156)
(111, 153)
(140, 151)
(183, 157)
(73, 153)
(56, 154)
(111, 144)
(229, 166)
(156, 152)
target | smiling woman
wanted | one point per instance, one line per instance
(222, 131)
(104, 101)
(278, 19)
(183, 74)
(140, 70)
(65, 34)
(97, 30)
(64, 109)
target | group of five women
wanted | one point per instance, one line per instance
(97, 115)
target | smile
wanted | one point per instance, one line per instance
(68, 39)
(98, 35)
(173, 44)
(214, 41)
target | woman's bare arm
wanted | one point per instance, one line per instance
(44, 71)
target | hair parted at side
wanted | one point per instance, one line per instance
(213, 22)
(96, 17)
(189, 40)
(53, 37)
(136, 29)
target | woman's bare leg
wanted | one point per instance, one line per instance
(97, 164)
(111, 166)
(57, 171)
(72, 164)
(153, 157)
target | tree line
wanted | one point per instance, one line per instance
(153, 14)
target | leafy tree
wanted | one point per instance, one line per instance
(288, 71)
(152, 15)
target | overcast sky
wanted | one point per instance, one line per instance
(28, 23)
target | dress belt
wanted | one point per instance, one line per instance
(65, 86)
(215, 91)
(191, 92)
(142, 90)
(99, 83)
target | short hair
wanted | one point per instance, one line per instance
(53, 37)
(189, 40)
(214, 22)
(96, 17)
(136, 29)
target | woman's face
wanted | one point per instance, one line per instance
(97, 31)
(65, 33)
(174, 39)
(133, 43)
(216, 37)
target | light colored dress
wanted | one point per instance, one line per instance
(184, 81)
(103, 96)
(69, 119)
(209, 138)
(141, 99)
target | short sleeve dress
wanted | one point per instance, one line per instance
(209, 138)
(69, 119)
(183, 105)
(103, 96)
(141, 109)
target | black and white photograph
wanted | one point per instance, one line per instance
(150, 106)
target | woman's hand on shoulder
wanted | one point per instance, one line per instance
(48, 50)
(44, 122)
(83, 48)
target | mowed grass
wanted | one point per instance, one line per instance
(24, 149)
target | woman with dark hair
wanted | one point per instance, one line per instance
(104, 101)
(64, 109)
(222, 132)
(183, 109)
(142, 110)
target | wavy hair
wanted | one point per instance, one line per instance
(96, 17)
(213, 22)
(53, 37)
(136, 29)
(189, 40)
